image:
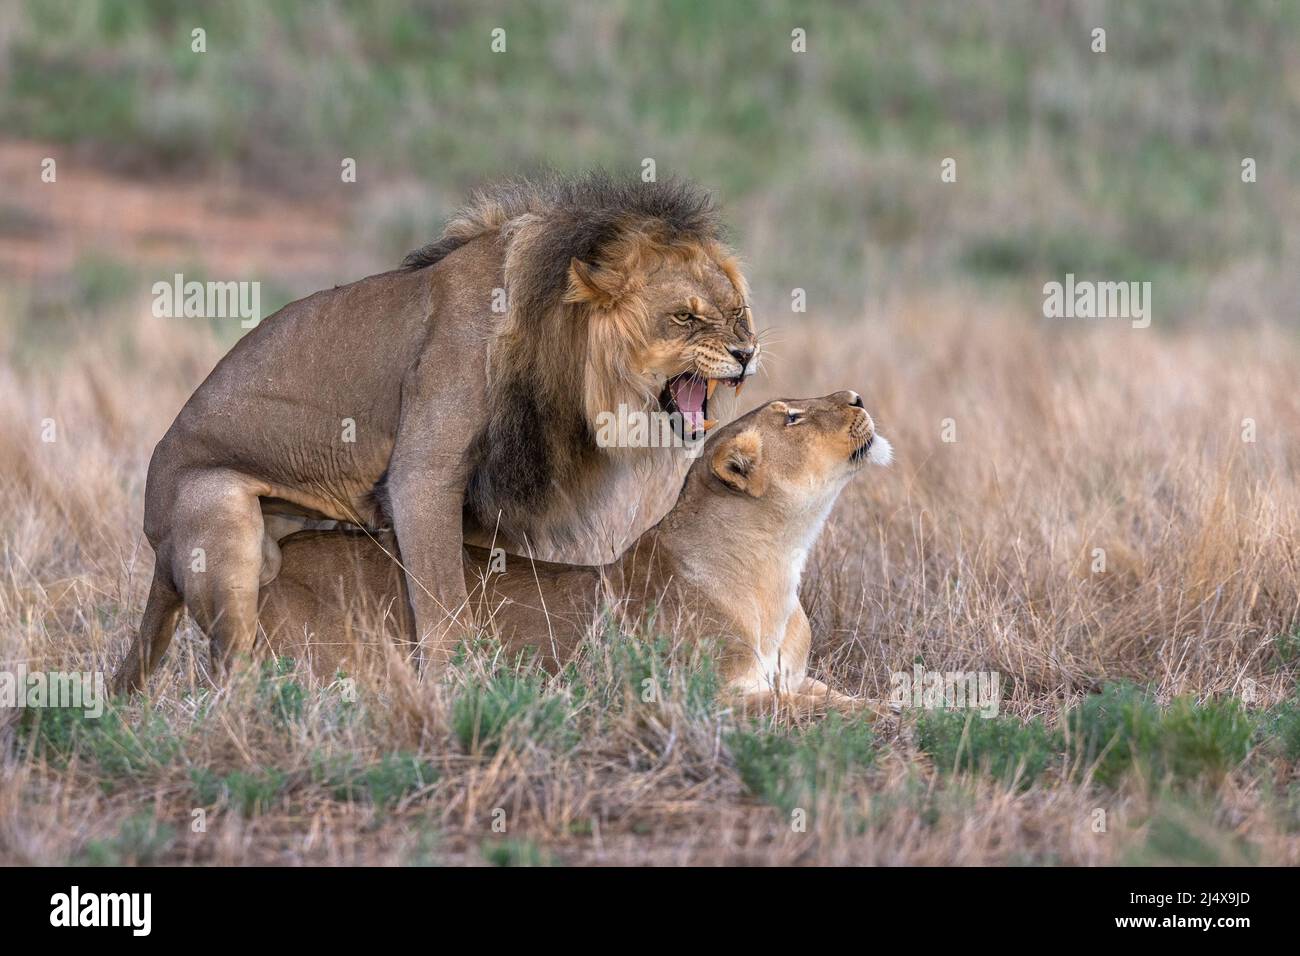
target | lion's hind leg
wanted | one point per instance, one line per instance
(216, 542)
(162, 612)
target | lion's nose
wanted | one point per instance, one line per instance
(851, 398)
(742, 355)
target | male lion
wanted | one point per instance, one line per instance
(724, 563)
(409, 399)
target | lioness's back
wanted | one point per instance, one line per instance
(340, 593)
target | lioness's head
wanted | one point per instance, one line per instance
(793, 454)
(669, 322)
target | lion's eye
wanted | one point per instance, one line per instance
(739, 313)
(793, 418)
(683, 318)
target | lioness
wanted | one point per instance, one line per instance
(724, 563)
(454, 398)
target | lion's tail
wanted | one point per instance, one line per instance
(161, 613)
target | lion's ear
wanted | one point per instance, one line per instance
(592, 285)
(737, 463)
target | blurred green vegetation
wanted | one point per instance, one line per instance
(793, 770)
(1123, 729)
(141, 841)
(1123, 164)
(1189, 832)
(509, 706)
(1011, 751)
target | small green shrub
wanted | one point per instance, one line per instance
(960, 741)
(1111, 730)
(1287, 647)
(1279, 728)
(649, 674)
(514, 853)
(282, 696)
(509, 705)
(1182, 833)
(792, 770)
(141, 840)
(1204, 741)
(1123, 728)
(382, 784)
(121, 751)
(248, 792)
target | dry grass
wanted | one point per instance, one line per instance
(967, 555)
(970, 555)
(978, 553)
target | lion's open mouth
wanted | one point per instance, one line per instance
(688, 396)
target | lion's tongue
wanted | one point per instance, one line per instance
(688, 394)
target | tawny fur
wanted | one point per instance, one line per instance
(467, 424)
(724, 564)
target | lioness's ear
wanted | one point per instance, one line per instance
(593, 285)
(737, 463)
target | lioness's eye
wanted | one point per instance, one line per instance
(792, 418)
(682, 318)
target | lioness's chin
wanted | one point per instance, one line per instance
(881, 451)
(877, 451)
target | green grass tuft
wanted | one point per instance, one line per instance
(1279, 728)
(123, 752)
(141, 841)
(509, 706)
(514, 853)
(1006, 748)
(279, 693)
(793, 770)
(649, 673)
(1180, 833)
(248, 792)
(381, 784)
(1123, 729)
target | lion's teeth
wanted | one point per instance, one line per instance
(708, 391)
(707, 424)
(740, 383)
